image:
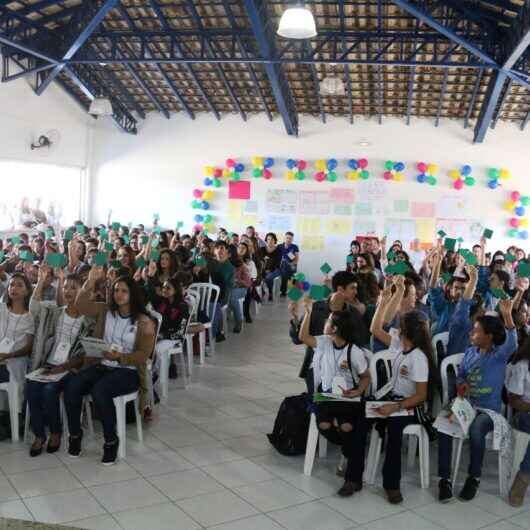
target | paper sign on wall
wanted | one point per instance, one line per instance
(281, 201)
(425, 230)
(251, 207)
(342, 209)
(372, 190)
(308, 225)
(235, 211)
(364, 227)
(313, 203)
(422, 209)
(401, 206)
(312, 243)
(341, 196)
(339, 226)
(454, 228)
(452, 207)
(279, 224)
(239, 189)
(403, 230)
(363, 208)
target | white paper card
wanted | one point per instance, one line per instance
(41, 377)
(61, 353)
(94, 347)
(338, 381)
(451, 428)
(464, 413)
(372, 406)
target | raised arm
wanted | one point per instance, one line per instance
(471, 285)
(507, 349)
(435, 274)
(377, 322)
(83, 302)
(395, 301)
(305, 335)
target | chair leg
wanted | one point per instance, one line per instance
(12, 397)
(26, 424)
(374, 452)
(189, 353)
(183, 369)
(139, 426)
(426, 461)
(311, 446)
(164, 374)
(224, 312)
(457, 460)
(64, 421)
(121, 426)
(212, 341)
(202, 347)
(411, 457)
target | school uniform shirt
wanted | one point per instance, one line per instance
(66, 334)
(120, 332)
(289, 252)
(460, 327)
(518, 381)
(407, 370)
(327, 361)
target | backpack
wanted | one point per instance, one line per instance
(291, 426)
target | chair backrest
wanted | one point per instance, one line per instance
(158, 319)
(385, 358)
(453, 361)
(439, 346)
(208, 296)
(195, 300)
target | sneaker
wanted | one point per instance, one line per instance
(349, 488)
(394, 496)
(248, 319)
(270, 297)
(172, 371)
(518, 490)
(445, 490)
(36, 447)
(237, 328)
(220, 337)
(74, 446)
(283, 295)
(470, 489)
(110, 453)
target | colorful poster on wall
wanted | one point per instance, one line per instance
(372, 190)
(401, 206)
(364, 227)
(279, 224)
(342, 209)
(452, 207)
(313, 203)
(425, 230)
(363, 208)
(308, 225)
(342, 196)
(251, 207)
(312, 243)
(235, 211)
(239, 189)
(281, 201)
(403, 230)
(454, 228)
(339, 226)
(422, 209)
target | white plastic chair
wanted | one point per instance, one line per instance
(417, 433)
(440, 340)
(314, 437)
(522, 439)
(13, 389)
(195, 297)
(208, 298)
(276, 288)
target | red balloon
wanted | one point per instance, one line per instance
(515, 196)
(302, 164)
(267, 174)
(458, 184)
(230, 162)
(363, 163)
(387, 175)
(320, 176)
(217, 172)
(514, 222)
(422, 167)
(197, 194)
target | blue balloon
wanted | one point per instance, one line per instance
(399, 166)
(492, 184)
(306, 286)
(353, 164)
(239, 168)
(208, 181)
(205, 205)
(268, 162)
(466, 170)
(332, 164)
(291, 164)
(523, 234)
(198, 218)
(520, 211)
(421, 178)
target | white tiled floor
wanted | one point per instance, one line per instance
(206, 463)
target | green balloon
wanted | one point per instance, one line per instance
(257, 172)
(389, 165)
(512, 233)
(365, 174)
(470, 181)
(194, 204)
(431, 181)
(300, 175)
(332, 176)
(525, 200)
(208, 219)
(236, 176)
(493, 173)
(216, 183)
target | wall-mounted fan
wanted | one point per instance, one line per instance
(44, 144)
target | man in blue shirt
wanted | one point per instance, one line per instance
(290, 253)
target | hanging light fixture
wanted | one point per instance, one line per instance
(101, 106)
(297, 23)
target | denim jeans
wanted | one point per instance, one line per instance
(481, 426)
(216, 318)
(235, 295)
(43, 401)
(522, 423)
(287, 269)
(269, 278)
(104, 384)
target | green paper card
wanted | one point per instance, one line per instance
(325, 268)
(317, 292)
(157, 230)
(200, 261)
(116, 264)
(101, 259)
(116, 226)
(487, 233)
(400, 267)
(441, 233)
(299, 276)
(140, 262)
(349, 260)
(155, 255)
(327, 291)
(523, 271)
(145, 240)
(500, 293)
(109, 247)
(446, 276)
(104, 236)
(16, 240)
(56, 260)
(510, 258)
(156, 216)
(180, 224)
(390, 255)
(69, 235)
(460, 239)
(2, 256)
(155, 243)
(49, 233)
(26, 255)
(295, 294)
(126, 239)
(471, 259)
(80, 229)
(449, 244)
(390, 269)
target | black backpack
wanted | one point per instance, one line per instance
(289, 435)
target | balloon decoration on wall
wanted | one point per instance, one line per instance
(212, 176)
(233, 169)
(427, 173)
(261, 167)
(202, 201)
(517, 206)
(326, 170)
(496, 176)
(295, 169)
(358, 169)
(462, 177)
(394, 170)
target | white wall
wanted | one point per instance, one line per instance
(157, 170)
(24, 116)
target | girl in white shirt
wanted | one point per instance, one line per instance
(411, 369)
(340, 367)
(518, 386)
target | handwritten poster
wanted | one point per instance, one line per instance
(251, 207)
(400, 229)
(422, 209)
(279, 224)
(425, 230)
(235, 211)
(342, 195)
(312, 243)
(401, 206)
(364, 227)
(339, 226)
(313, 203)
(281, 201)
(248, 220)
(372, 190)
(363, 208)
(342, 209)
(239, 189)
(308, 225)
(454, 228)
(452, 207)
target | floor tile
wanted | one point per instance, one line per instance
(402, 521)
(44, 481)
(502, 525)
(217, 508)
(7, 492)
(158, 517)
(521, 519)
(258, 522)
(185, 484)
(127, 495)
(208, 454)
(457, 515)
(272, 495)
(238, 473)
(152, 464)
(314, 515)
(250, 445)
(64, 507)
(244, 409)
(99, 522)
(20, 461)
(95, 474)
(15, 510)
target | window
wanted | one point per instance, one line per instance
(38, 193)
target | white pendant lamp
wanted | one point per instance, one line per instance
(100, 106)
(297, 23)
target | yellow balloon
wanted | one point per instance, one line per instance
(320, 165)
(255, 160)
(353, 175)
(399, 176)
(504, 174)
(454, 174)
(509, 206)
(208, 171)
(290, 175)
(226, 172)
(258, 161)
(432, 169)
(523, 223)
(207, 195)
